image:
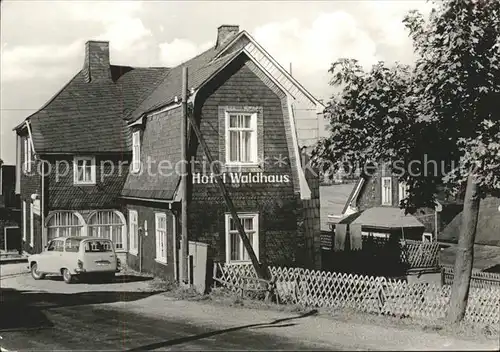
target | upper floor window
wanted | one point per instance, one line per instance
(28, 155)
(386, 191)
(403, 191)
(241, 138)
(235, 250)
(136, 151)
(84, 172)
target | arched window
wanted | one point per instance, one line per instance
(64, 224)
(108, 224)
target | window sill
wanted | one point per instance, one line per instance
(84, 184)
(121, 250)
(134, 252)
(242, 168)
(161, 261)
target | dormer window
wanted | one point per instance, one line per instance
(84, 172)
(136, 151)
(241, 138)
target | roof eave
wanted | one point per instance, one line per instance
(277, 64)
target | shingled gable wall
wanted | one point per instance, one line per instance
(242, 84)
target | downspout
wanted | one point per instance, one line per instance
(42, 207)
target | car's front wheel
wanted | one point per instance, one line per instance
(67, 277)
(37, 275)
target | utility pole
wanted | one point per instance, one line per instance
(183, 260)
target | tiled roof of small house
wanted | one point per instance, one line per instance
(90, 116)
(386, 218)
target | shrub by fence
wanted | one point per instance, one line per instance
(480, 279)
(378, 295)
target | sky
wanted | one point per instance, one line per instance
(42, 42)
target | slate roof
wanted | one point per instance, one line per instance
(161, 141)
(200, 69)
(91, 117)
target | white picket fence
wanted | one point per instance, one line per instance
(378, 295)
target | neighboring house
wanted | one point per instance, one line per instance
(10, 215)
(488, 224)
(487, 243)
(255, 118)
(374, 203)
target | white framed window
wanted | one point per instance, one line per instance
(386, 191)
(133, 231)
(235, 250)
(84, 172)
(161, 237)
(241, 138)
(32, 225)
(25, 230)
(65, 224)
(375, 234)
(136, 151)
(427, 237)
(28, 155)
(109, 224)
(403, 191)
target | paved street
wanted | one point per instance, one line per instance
(51, 315)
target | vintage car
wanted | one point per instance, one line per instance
(76, 256)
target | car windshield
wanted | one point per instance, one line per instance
(98, 246)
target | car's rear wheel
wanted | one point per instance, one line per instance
(37, 275)
(67, 277)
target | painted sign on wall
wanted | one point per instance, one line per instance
(241, 177)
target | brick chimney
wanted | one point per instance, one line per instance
(225, 33)
(96, 66)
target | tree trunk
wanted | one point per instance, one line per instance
(464, 252)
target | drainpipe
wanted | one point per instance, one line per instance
(42, 207)
(141, 231)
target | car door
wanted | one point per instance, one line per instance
(45, 258)
(57, 257)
